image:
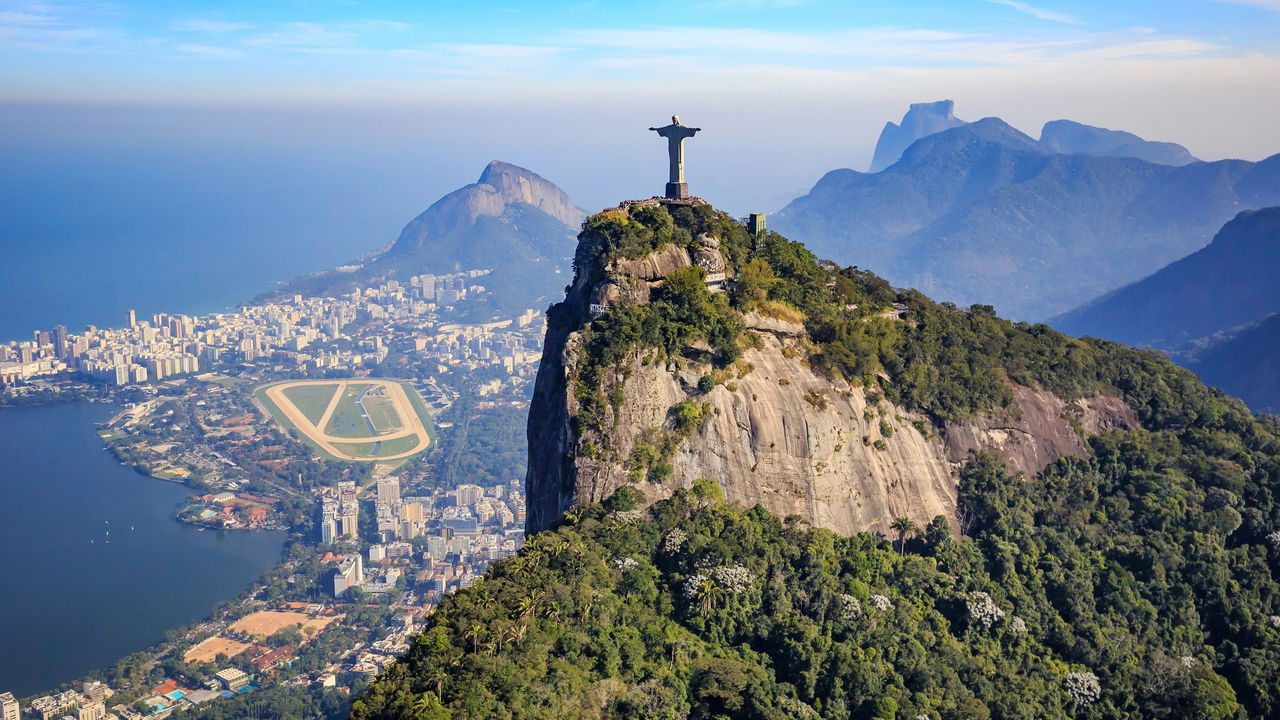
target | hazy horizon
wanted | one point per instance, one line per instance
(304, 134)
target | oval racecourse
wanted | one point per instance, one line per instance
(358, 419)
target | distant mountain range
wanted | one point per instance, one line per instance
(982, 213)
(1233, 281)
(1214, 311)
(1058, 136)
(1246, 364)
(1066, 136)
(511, 221)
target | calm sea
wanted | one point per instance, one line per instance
(92, 564)
(88, 232)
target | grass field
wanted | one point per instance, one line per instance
(375, 450)
(396, 446)
(312, 400)
(347, 420)
(381, 413)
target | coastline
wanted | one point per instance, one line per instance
(150, 504)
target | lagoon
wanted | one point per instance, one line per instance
(93, 565)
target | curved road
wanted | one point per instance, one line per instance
(395, 392)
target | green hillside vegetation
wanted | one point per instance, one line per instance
(1140, 582)
(936, 358)
(1137, 583)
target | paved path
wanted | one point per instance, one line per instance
(315, 431)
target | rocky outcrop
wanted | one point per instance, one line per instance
(775, 432)
(921, 120)
(500, 185)
(1042, 428)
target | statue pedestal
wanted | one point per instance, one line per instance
(677, 191)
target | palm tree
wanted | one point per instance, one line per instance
(708, 593)
(428, 707)
(903, 526)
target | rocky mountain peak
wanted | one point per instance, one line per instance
(921, 120)
(500, 185)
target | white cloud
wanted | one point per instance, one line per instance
(9, 17)
(498, 51)
(323, 37)
(210, 26)
(1268, 4)
(1038, 12)
(860, 41)
(212, 51)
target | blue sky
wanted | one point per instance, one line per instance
(179, 155)
(316, 50)
(533, 80)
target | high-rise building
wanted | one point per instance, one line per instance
(60, 341)
(9, 709)
(388, 491)
(133, 319)
(96, 690)
(350, 573)
(467, 494)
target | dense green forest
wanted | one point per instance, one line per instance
(1140, 582)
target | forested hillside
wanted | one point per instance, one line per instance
(1137, 582)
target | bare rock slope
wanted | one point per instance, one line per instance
(776, 433)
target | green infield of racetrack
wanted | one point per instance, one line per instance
(415, 399)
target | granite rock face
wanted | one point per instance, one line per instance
(500, 185)
(921, 120)
(777, 433)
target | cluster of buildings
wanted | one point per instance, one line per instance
(465, 510)
(170, 696)
(436, 543)
(339, 513)
(296, 331)
(370, 662)
(88, 704)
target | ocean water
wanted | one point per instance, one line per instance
(89, 230)
(93, 565)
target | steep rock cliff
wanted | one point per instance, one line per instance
(500, 186)
(773, 431)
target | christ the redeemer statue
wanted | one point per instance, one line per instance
(675, 133)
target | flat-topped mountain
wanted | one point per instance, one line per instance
(1057, 136)
(921, 120)
(983, 213)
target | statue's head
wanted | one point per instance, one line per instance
(675, 119)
